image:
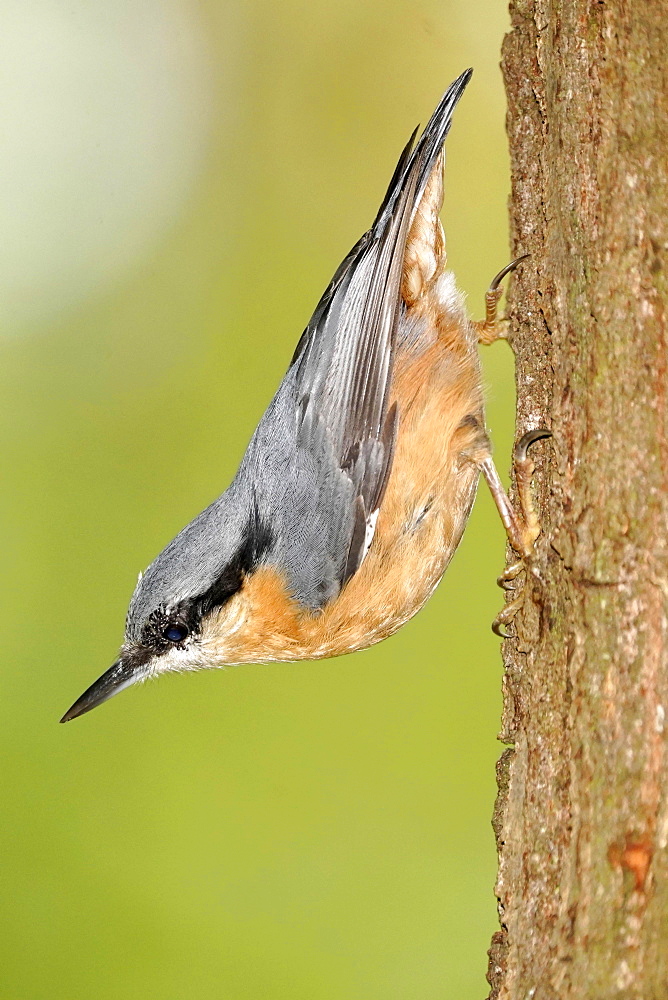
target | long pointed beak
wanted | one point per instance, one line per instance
(115, 679)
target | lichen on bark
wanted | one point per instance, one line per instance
(582, 814)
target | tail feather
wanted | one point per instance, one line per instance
(423, 157)
(422, 165)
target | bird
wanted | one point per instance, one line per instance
(357, 484)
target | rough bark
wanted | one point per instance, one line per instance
(582, 811)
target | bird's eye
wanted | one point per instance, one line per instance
(175, 633)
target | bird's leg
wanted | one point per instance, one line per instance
(494, 327)
(522, 528)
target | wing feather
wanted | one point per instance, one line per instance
(341, 374)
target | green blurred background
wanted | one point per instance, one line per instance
(181, 181)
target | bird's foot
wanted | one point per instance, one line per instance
(494, 327)
(522, 527)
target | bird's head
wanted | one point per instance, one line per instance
(181, 604)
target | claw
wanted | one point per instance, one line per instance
(525, 442)
(509, 574)
(498, 629)
(497, 279)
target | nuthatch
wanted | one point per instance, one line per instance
(358, 482)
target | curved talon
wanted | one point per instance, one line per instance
(525, 442)
(497, 629)
(506, 616)
(498, 278)
(510, 574)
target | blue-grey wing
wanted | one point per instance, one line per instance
(319, 462)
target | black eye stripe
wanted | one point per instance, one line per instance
(172, 623)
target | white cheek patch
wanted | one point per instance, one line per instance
(369, 533)
(176, 661)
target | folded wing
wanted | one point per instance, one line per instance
(339, 386)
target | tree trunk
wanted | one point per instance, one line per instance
(582, 812)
